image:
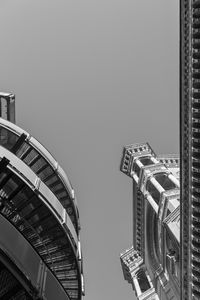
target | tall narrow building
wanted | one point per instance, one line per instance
(40, 250)
(190, 147)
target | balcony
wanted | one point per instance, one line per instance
(34, 155)
(30, 206)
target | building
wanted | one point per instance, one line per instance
(152, 264)
(40, 250)
(179, 268)
(190, 147)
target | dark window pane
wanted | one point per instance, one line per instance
(30, 156)
(38, 164)
(7, 138)
(136, 169)
(22, 149)
(143, 281)
(153, 191)
(164, 181)
(51, 180)
(146, 161)
(46, 173)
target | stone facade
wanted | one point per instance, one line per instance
(152, 265)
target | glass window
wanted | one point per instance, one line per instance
(23, 149)
(38, 165)
(153, 191)
(136, 169)
(164, 181)
(51, 181)
(143, 281)
(146, 161)
(172, 256)
(46, 173)
(10, 187)
(57, 187)
(62, 195)
(7, 138)
(31, 155)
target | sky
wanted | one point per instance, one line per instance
(90, 77)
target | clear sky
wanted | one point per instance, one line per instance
(89, 77)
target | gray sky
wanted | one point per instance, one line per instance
(89, 77)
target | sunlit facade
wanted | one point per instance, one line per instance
(40, 250)
(152, 264)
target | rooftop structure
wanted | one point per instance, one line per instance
(40, 249)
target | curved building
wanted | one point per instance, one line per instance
(152, 265)
(40, 250)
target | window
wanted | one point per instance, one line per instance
(153, 191)
(146, 161)
(143, 281)
(171, 262)
(172, 257)
(136, 169)
(164, 181)
(7, 138)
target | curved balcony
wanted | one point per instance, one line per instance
(23, 275)
(33, 154)
(38, 215)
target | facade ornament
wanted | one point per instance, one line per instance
(152, 265)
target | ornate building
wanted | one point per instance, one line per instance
(177, 251)
(40, 250)
(152, 265)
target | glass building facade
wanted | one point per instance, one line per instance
(40, 250)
